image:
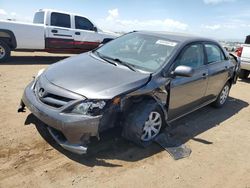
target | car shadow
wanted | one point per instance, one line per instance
(247, 80)
(113, 147)
(33, 60)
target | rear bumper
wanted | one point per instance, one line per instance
(245, 65)
(76, 129)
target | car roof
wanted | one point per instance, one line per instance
(179, 37)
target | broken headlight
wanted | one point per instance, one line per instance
(89, 108)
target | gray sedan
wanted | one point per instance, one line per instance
(140, 81)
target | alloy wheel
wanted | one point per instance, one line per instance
(2, 52)
(224, 94)
(152, 126)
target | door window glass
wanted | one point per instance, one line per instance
(192, 56)
(214, 53)
(83, 23)
(60, 20)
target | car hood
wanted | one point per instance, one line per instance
(94, 78)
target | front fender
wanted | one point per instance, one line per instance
(160, 94)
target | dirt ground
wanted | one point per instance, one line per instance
(219, 139)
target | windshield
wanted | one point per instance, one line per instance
(142, 51)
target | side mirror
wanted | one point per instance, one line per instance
(183, 71)
(95, 29)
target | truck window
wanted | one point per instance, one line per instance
(247, 41)
(39, 18)
(83, 23)
(60, 20)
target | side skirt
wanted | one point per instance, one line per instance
(201, 106)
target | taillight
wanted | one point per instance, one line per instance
(239, 51)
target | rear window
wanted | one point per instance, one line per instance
(39, 18)
(60, 20)
(83, 23)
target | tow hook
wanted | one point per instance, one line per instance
(21, 107)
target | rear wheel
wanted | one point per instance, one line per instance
(222, 97)
(4, 51)
(243, 74)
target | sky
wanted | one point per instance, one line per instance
(218, 19)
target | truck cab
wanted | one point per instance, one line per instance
(69, 31)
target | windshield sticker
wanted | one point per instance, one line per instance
(166, 43)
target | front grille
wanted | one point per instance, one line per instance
(51, 99)
(54, 100)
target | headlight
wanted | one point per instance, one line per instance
(89, 108)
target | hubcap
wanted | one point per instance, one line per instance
(152, 126)
(2, 52)
(224, 94)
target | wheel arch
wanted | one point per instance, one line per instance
(8, 37)
(146, 98)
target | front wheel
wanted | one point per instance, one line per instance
(4, 51)
(222, 97)
(143, 123)
(152, 127)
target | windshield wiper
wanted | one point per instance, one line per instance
(124, 64)
(105, 58)
(116, 60)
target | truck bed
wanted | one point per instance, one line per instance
(28, 35)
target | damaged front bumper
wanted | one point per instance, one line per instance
(71, 131)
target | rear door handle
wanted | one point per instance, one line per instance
(204, 75)
(54, 31)
(77, 33)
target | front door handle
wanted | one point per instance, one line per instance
(77, 33)
(54, 31)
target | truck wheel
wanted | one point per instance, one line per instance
(4, 51)
(222, 97)
(143, 123)
(243, 74)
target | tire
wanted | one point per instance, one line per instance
(4, 51)
(222, 97)
(144, 123)
(243, 74)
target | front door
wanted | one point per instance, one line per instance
(187, 93)
(60, 34)
(86, 36)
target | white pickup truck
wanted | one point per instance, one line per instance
(244, 53)
(51, 31)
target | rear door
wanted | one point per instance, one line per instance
(187, 93)
(86, 35)
(218, 69)
(60, 34)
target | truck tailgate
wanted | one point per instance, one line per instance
(245, 56)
